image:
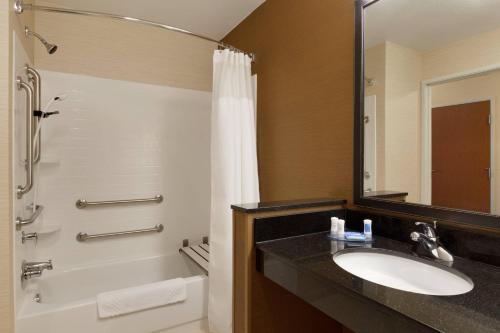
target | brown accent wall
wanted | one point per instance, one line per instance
(305, 53)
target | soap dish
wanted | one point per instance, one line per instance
(351, 240)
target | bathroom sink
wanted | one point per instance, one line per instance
(404, 272)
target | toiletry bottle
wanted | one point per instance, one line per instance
(340, 229)
(334, 226)
(334, 246)
(368, 228)
(340, 246)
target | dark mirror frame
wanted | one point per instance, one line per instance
(438, 213)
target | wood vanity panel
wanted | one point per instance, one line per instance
(260, 306)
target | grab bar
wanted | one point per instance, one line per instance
(20, 222)
(83, 237)
(35, 77)
(81, 203)
(22, 190)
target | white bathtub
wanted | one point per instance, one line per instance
(68, 299)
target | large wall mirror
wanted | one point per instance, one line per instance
(428, 108)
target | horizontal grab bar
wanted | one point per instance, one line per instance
(81, 203)
(83, 237)
(20, 222)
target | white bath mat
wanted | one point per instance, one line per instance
(128, 300)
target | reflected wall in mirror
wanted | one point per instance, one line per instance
(432, 103)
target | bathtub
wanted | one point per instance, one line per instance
(68, 298)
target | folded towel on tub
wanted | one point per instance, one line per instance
(123, 301)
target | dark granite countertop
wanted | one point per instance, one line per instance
(289, 204)
(304, 265)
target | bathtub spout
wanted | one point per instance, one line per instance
(34, 269)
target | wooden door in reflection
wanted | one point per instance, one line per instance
(461, 156)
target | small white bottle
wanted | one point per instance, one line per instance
(367, 230)
(340, 229)
(334, 226)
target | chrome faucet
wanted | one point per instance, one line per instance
(430, 242)
(34, 269)
(29, 236)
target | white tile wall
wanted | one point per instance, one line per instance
(118, 140)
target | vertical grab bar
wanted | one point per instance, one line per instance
(21, 190)
(35, 77)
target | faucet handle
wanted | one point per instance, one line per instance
(48, 265)
(29, 236)
(429, 229)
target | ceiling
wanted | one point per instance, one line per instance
(211, 18)
(429, 24)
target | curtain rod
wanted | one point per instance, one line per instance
(20, 6)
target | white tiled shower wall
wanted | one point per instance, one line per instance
(119, 140)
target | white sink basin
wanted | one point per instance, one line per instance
(404, 272)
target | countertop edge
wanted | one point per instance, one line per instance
(285, 205)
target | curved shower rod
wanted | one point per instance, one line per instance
(20, 7)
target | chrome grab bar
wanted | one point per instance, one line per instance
(20, 222)
(22, 190)
(81, 203)
(36, 79)
(83, 237)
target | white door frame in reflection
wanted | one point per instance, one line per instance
(426, 130)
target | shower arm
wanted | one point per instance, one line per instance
(20, 7)
(29, 32)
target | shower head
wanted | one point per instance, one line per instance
(58, 98)
(51, 48)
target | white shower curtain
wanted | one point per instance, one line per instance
(234, 174)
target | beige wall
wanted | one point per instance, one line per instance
(404, 69)
(6, 296)
(474, 89)
(9, 22)
(397, 71)
(375, 69)
(402, 120)
(120, 50)
(471, 53)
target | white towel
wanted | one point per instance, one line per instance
(122, 301)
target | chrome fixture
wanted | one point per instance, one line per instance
(35, 78)
(38, 298)
(51, 48)
(29, 236)
(83, 237)
(370, 82)
(81, 203)
(20, 6)
(22, 190)
(34, 269)
(430, 242)
(20, 222)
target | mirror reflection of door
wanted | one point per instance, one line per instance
(461, 156)
(370, 149)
